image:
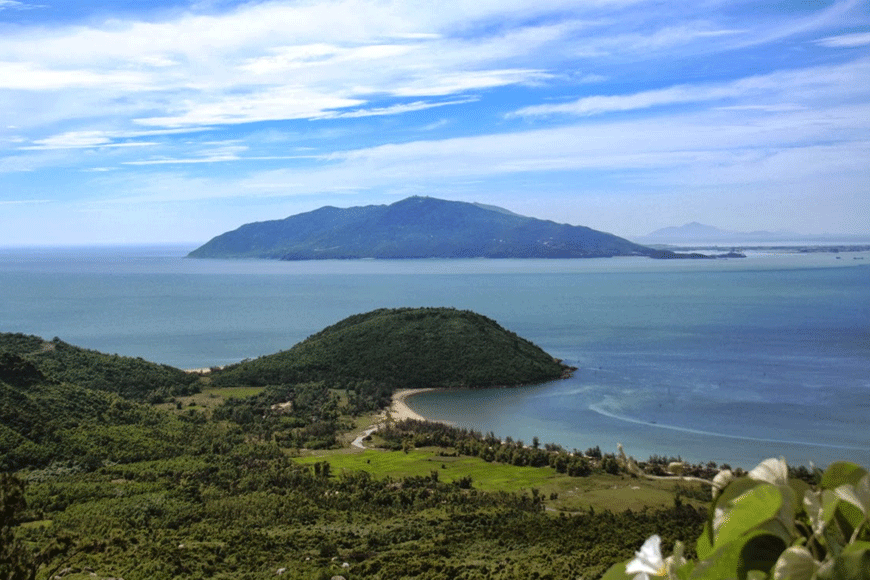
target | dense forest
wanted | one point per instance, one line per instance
(404, 347)
(119, 468)
(131, 378)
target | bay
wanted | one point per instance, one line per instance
(727, 360)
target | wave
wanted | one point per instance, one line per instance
(597, 408)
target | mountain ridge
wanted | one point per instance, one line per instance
(695, 232)
(418, 227)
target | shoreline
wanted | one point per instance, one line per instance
(399, 409)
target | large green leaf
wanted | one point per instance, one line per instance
(735, 560)
(704, 545)
(747, 512)
(842, 472)
(616, 572)
(722, 502)
(799, 487)
(796, 563)
(852, 564)
(857, 495)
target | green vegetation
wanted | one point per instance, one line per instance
(245, 473)
(252, 511)
(768, 525)
(598, 492)
(131, 378)
(372, 354)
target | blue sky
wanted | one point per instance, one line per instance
(131, 122)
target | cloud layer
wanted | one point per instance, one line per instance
(597, 108)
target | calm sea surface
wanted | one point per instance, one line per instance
(728, 360)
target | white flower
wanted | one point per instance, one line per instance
(648, 560)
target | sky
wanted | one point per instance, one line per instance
(169, 121)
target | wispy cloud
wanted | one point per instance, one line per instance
(394, 109)
(15, 5)
(824, 82)
(82, 140)
(846, 40)
(22, 201)
(670, 152)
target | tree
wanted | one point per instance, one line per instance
(16, 563)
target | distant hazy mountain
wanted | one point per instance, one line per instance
(693, 233)
(417, 227)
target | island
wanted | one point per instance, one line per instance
(420, 227)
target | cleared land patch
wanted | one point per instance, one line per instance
(599, 492)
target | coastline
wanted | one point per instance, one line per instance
(399, 409)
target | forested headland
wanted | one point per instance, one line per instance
(114, 467)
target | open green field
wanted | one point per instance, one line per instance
(572, 494)
(233, 392)
(209, 398)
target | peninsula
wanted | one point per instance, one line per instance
(404, 348)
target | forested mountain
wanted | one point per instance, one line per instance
(417, 227)
(405, 347)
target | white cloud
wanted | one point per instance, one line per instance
(273, 104)
(275, 60)
(81, 140)
(15, 5)
(682, 150)
(22, 201)
(818, 83)
(846, 40)
(33, 77)
(393, 109)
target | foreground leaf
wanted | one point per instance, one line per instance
(796, 563)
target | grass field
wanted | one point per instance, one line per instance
(561, 493)
(616, 493)
(209, 398)
(234, 392)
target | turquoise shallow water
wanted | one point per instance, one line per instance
(731, 361)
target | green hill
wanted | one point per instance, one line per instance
(406, 347)
(43, 420)
(131, 378)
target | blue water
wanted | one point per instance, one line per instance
(732, 361)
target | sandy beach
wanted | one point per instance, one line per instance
(399, 410)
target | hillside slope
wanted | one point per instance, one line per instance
(131, 378)
(45, 420)
(417, 227)
(406, 347)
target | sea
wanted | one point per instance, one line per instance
(730, 360)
